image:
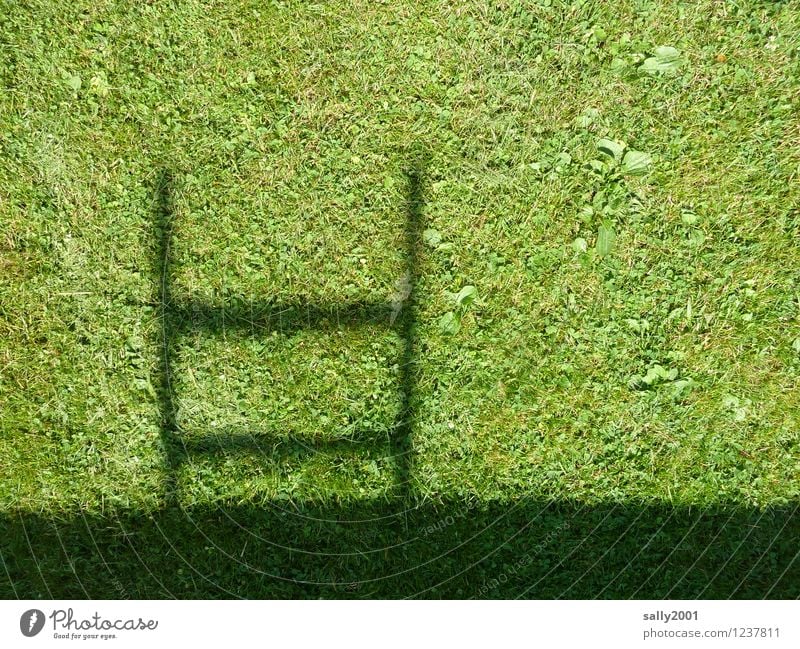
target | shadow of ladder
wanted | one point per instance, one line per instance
(180, 317)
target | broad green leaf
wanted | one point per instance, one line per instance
(611, 148)
(697, 237)
(99, 85)
(579, 245)
(466, 295)
(729, 401)
(605, 239)
(73, 81)
(650, 65)
(587, 117)
(666, 59)
(633, 324)
(618, 64)
(636, 163)
(658, 374)
(599, 166)
(682, 388)
(432, 237)
(562, 159)
(666, 54)
(653, 374)
(449, 323)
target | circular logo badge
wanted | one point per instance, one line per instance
(31, 622)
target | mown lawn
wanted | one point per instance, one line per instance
(394, 299)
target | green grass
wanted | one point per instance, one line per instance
(546, 446)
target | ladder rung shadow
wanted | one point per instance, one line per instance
(276, 448)
(265, 317)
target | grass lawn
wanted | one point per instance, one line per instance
(397, 299)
